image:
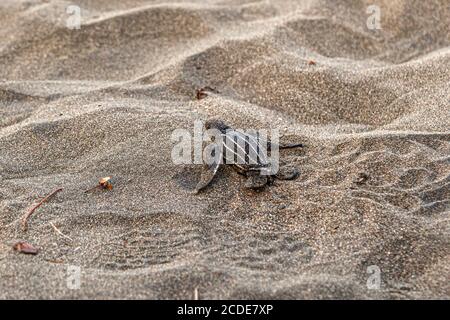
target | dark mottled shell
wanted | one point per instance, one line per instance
(245, 151)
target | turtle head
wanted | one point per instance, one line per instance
(216, 124)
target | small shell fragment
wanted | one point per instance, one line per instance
(25, 247)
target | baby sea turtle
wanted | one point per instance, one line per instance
(253, 163)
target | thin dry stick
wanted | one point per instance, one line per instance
(59, 232)
(93, 188)
(29, 213)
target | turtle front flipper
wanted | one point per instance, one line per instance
(255, 180)
(207, 175)
(287, 173)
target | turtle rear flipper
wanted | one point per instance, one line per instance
(284, 146)
(255, 180)
(287, 173)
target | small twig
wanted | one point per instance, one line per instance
(29, 213)
(54, 261)
(59, 232)
(92, 189)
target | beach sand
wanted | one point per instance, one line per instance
(371, 106)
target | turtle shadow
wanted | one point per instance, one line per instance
(187, 177)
